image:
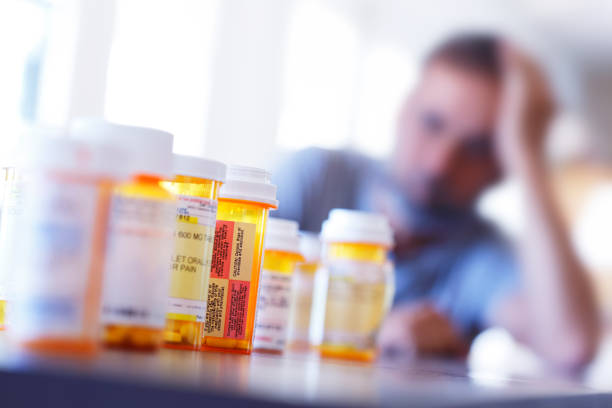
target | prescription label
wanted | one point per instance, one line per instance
(137, 261)
(273, 306)
(55, 259)
(191, 260)
(230, 279)
(357, 302)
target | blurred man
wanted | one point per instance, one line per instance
(480, 110)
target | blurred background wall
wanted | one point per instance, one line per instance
(247, 81)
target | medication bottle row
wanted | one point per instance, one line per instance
(330, 295)
(103, 230)
(103, 225)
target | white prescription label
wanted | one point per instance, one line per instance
(138, 255)
(273, 307)
(202, 211)
(55, 259)
(191, 260)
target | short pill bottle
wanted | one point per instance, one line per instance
(60, 240)
(140, 237)
(244, 203)
(281, 255)
(196, 186)
(298, 337)
(358, 282)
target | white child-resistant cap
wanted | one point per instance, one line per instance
(357, 227)
(282, 235)
(50, 149)
(310, 246)
(249, 184)
(192, 166)
(147, 151)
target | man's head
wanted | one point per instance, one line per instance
(444, 157)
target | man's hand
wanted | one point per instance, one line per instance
(526, 111)
(555, 311)
(419, 329)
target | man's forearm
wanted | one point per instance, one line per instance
(564, 324)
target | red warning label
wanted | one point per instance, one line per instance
(222, 250)
(230, 283)
(236, 315)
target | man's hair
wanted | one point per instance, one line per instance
(477, 52)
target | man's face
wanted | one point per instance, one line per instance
(444, 156)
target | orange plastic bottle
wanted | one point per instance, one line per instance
(244, 203)
(281, 254)
(61, 245)
(140, 237)
(303, 286)
(196, 186)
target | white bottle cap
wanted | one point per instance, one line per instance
(249, 184)
(50, 149)
(310, 246)
(282, 235)
(192, 166)
(357, 227)
(147, 151)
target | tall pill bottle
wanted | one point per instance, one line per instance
(244, 202)
(359, 282)
(140, 237)
(298, 337)
(196, 186)
(60, 241)
(12, 206)
(281, 254)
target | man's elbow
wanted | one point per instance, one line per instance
(575, 351)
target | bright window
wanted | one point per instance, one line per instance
(320, 75)
(158, 74)
(22, 33)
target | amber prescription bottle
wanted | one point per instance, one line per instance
(244, 202)
(140, 237)
(303, 285)
(196, 187)
(60, 242)
(281, 254)
(359, 282)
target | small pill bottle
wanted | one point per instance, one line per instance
(244, 202)
(281, 254)
(12, 205)
(359, 282)
(196, 186)
(303, 286)
(140, 237)
(59, 239)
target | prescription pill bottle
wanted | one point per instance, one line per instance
(59, 240)
(244, 202)
(140, 237)
(359, 282)
(281, 254)
(303, 286)
(196, 187)
(11, 207)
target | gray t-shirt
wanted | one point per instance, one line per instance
(463, 270)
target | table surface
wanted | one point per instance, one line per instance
(173, 378)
